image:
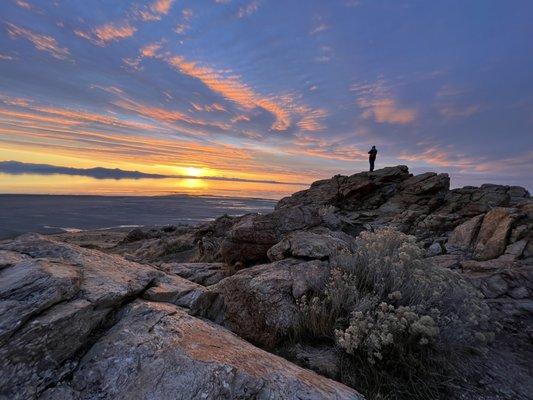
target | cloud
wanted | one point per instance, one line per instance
(208, 107)
(14, 101)
(325, 54)
(451, 111)
(321, 27)
(23, 4)
(451, 105)
(150, 50)
(164, 115)
(6, 57)
(249, 9)
(327, 148)
(108, 33)
(312, 119)
(386, 110)
(435, 155)
(156, 10)
(378, 104)
(232, 89)
(183, 26)
(40, 42)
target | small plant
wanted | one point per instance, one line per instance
(401, 322)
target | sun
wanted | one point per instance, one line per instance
(192, 171)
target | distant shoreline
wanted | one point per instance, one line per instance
(211, 196)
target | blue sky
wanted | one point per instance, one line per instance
(283, 90)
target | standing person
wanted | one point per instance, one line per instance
(372, 157)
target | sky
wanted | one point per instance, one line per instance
(291, 91)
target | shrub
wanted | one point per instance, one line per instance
(401, 322)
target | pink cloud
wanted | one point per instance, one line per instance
(386, 110)
(378, 104)
(40, 42)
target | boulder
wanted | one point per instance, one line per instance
(463, 236)
(156, 351)
(248, 241)
(259, 303)
(494, 233)
(318, 244)
(134, 235)
(435, 249)
(202, 273)
(54, 299)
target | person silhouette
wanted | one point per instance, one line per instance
(372, 157)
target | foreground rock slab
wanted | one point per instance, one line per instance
(158, 351)
(80, 324)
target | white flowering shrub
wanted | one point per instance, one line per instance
(396, 316)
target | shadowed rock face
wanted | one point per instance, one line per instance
(81, 324)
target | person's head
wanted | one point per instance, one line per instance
(373, 147)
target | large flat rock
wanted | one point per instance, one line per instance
(157, 351)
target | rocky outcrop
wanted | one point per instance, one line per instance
(81, 324)
(259, 303)
(421, 205)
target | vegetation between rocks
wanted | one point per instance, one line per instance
(402, 325)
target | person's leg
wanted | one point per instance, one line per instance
(371, 165)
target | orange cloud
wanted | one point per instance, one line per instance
(311, 120)
(107, 33)
(40, 42)
(232, 89)
(439, 157)
(150, 50)
(156, 10)
(164, 115)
